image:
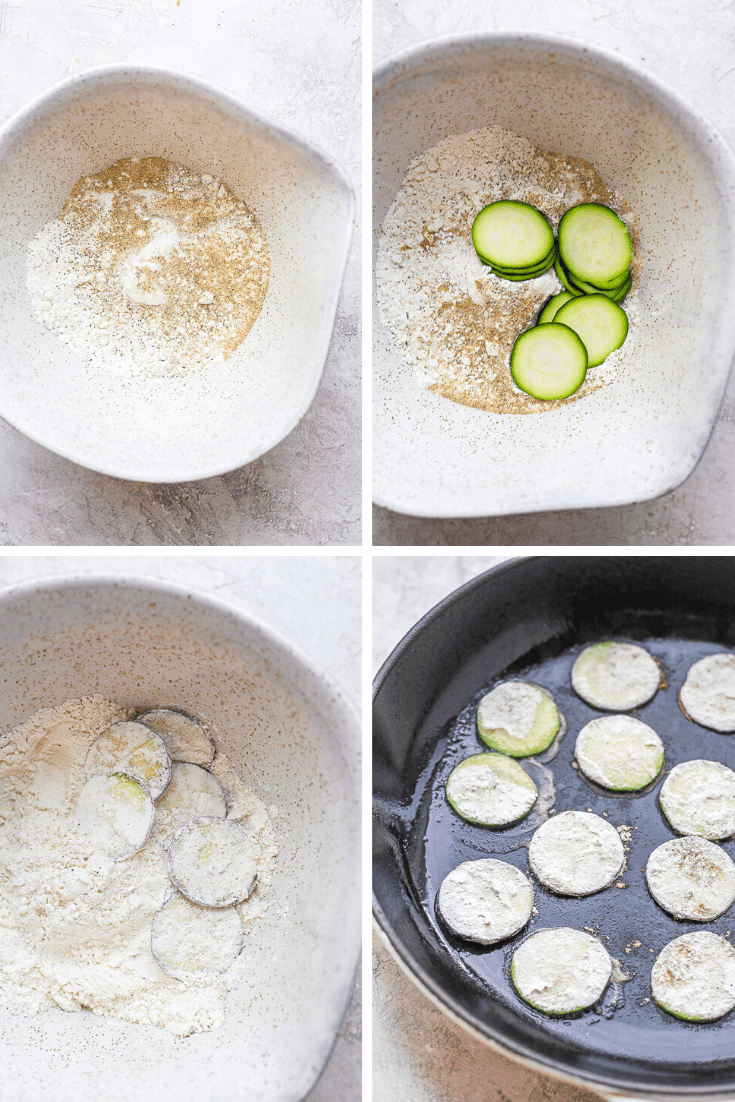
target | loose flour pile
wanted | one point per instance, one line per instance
(454, 319)
(75, 926)
(150, 269)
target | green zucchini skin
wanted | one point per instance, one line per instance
(564, 279)
(542, 266)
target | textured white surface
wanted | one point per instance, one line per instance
(664, 37)
(418, 1053)
(294, 63)
(283, 592)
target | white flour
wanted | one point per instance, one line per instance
(150, 269)
(75, 927)
(455, 321)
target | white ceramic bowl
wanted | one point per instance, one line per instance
(170, 430)
(293, 738)
(642, 435)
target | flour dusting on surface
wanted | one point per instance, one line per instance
(150, 269)
(75, 926)
(454, 320)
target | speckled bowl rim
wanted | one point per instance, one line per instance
(297, 670)
(398, 66)
(103, 74)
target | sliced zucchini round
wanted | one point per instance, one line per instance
(184, 736)
(698, 797)
(135, 749)
(526, 273)
(518, 719)
(693, 977)
(691, 878)
(554, 304)
(615, 677)
(619, 753)
(210, 862)
(485, 901)
(549, 361)
(601, 324)
(512, 235)
(576, 853)
(560, 970)
(189, 942)
(491, 789)
(708, 693)
(624, 290)
(594, 243)
(115, 811)
(591, 289)
(193, 792)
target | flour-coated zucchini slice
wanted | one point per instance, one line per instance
(491, 789)
(615, 677)
(135, 749)
(691, 878)
(193, 792)
(560, 970)
(594, 243)
(554, 304)
(485, 901)
(576, 853)
(191, 942)
(708, 693)
(210, 862)
(619, 752)
(115, 811)
(512, 234)
(601, 324)
(184, 736)
(698, 797)
(693, 977)
(518, 719)
(549, 361)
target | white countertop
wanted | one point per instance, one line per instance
(284, 593)
(299, 64)
(418, 1053)
(692, 48)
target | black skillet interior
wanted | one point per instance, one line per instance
(529, 619)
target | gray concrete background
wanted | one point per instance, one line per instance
(315, 603)
(300, 64)
(692, 48)
(418, 1053)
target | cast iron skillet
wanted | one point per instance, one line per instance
(529, 619)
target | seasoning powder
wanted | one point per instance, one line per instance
(150, 269)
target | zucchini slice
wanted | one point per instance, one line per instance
(698, 797)
(518, 719)
(485, 901)
(561, 971)
(512, 234)
(576, 853)
(549, 361)
(189, 942)
(594, 243)
(708, 694)
(555, 303)
(210, 862)
(542, 266)
(491, 790)
(693, 977)
(564, 279)
(619, 752)
(691, 878)
(600, 322)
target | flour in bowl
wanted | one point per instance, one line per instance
(75, 925)
(453, 319)
(150, 269)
